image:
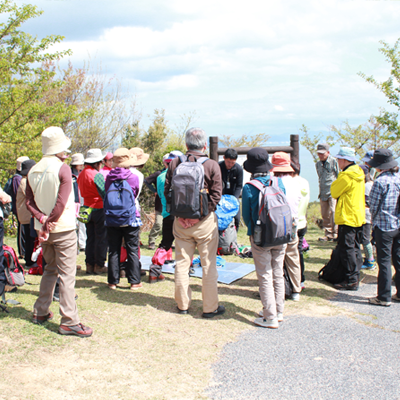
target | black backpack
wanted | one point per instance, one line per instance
(333, 272)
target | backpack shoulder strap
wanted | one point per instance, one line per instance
(202, 160)
(257, 184)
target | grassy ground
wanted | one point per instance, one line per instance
(141, 348)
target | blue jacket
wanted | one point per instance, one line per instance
(250, 202)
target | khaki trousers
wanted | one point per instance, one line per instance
(269, 268)
(59, 251)
(156, 228)
(328, 217)
(292, 262)
(204, 236)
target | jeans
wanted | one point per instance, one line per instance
(96, 243)
(132, 268)
(349, 239)
(388, 251)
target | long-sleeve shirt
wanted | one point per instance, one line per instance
(232, 179)
(327, 171)
(384, 202)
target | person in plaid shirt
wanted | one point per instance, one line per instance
(385, 212)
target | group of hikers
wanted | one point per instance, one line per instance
(102, 191)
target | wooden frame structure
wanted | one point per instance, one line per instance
(293, 149)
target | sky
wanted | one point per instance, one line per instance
(243, 67)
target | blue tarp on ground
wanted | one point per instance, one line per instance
(231, 272)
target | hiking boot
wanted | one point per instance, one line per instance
(267, 323)
(142, 272)
(89, 269)
(371, 265)
(396, 298)
(100, 270)
(78, 267)
(155, 279)
(376, 302)
(135, 286)
(41, 319)
(75, 330)
(219, 311)
(346, 286)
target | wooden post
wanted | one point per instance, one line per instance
(294, 143)
(214, 148)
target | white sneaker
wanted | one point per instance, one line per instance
(296, 296)
(279, 316)
(267, 323)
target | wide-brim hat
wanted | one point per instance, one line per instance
(257, 161)
(281, 162)
(141, 156)
(368, 156)
(54, 141)
(122, 158)
(77, 159)
(383, 159)
(94, 156)
(26, 166)
(347, 153)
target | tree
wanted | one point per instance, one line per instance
(24, 113)
(310, 143)
(390, 88)
(369, 136)
(257, 140)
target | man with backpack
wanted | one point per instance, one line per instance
(193, 188)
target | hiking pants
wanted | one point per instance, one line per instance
(96, 242)
(388, 251)
(328, 217)
(269, 268)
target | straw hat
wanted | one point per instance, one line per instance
(141, 156)
(54, 141)
(123, 159)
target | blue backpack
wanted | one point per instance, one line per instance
(119, 204)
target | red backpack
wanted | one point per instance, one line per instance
(12, 268)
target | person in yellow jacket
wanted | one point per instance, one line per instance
(349, 190)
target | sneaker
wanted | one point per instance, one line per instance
(151, 246)
(75, 330)
(279, 316)
(267, 323)
(376, 302)
(371, 265)
(112, 286)
(302, 285)
(219, 311)
(346, 286)
(135, 286)
(325, 239)
(396, 297)
(41, 319)
(296, 296)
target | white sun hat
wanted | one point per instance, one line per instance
(54, 141)
(94, 156)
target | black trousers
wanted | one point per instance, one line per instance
(349, 239)
(21, 234)
(167, 232)
(96, 243)
(301, 233)
(29, 244)
(132, 266)
(388, 251)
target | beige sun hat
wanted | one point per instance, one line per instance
(94, 156)
(77, 159)
(123, 158)
(141, 156)
(20, 160)
(54, 141)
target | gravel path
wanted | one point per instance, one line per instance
(316, 358)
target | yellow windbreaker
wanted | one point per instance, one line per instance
(349, 189)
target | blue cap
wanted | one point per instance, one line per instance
(368, 156)
(346, 153)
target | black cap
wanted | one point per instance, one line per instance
(257, 161)
(26, 166)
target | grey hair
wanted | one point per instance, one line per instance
(196, 139)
